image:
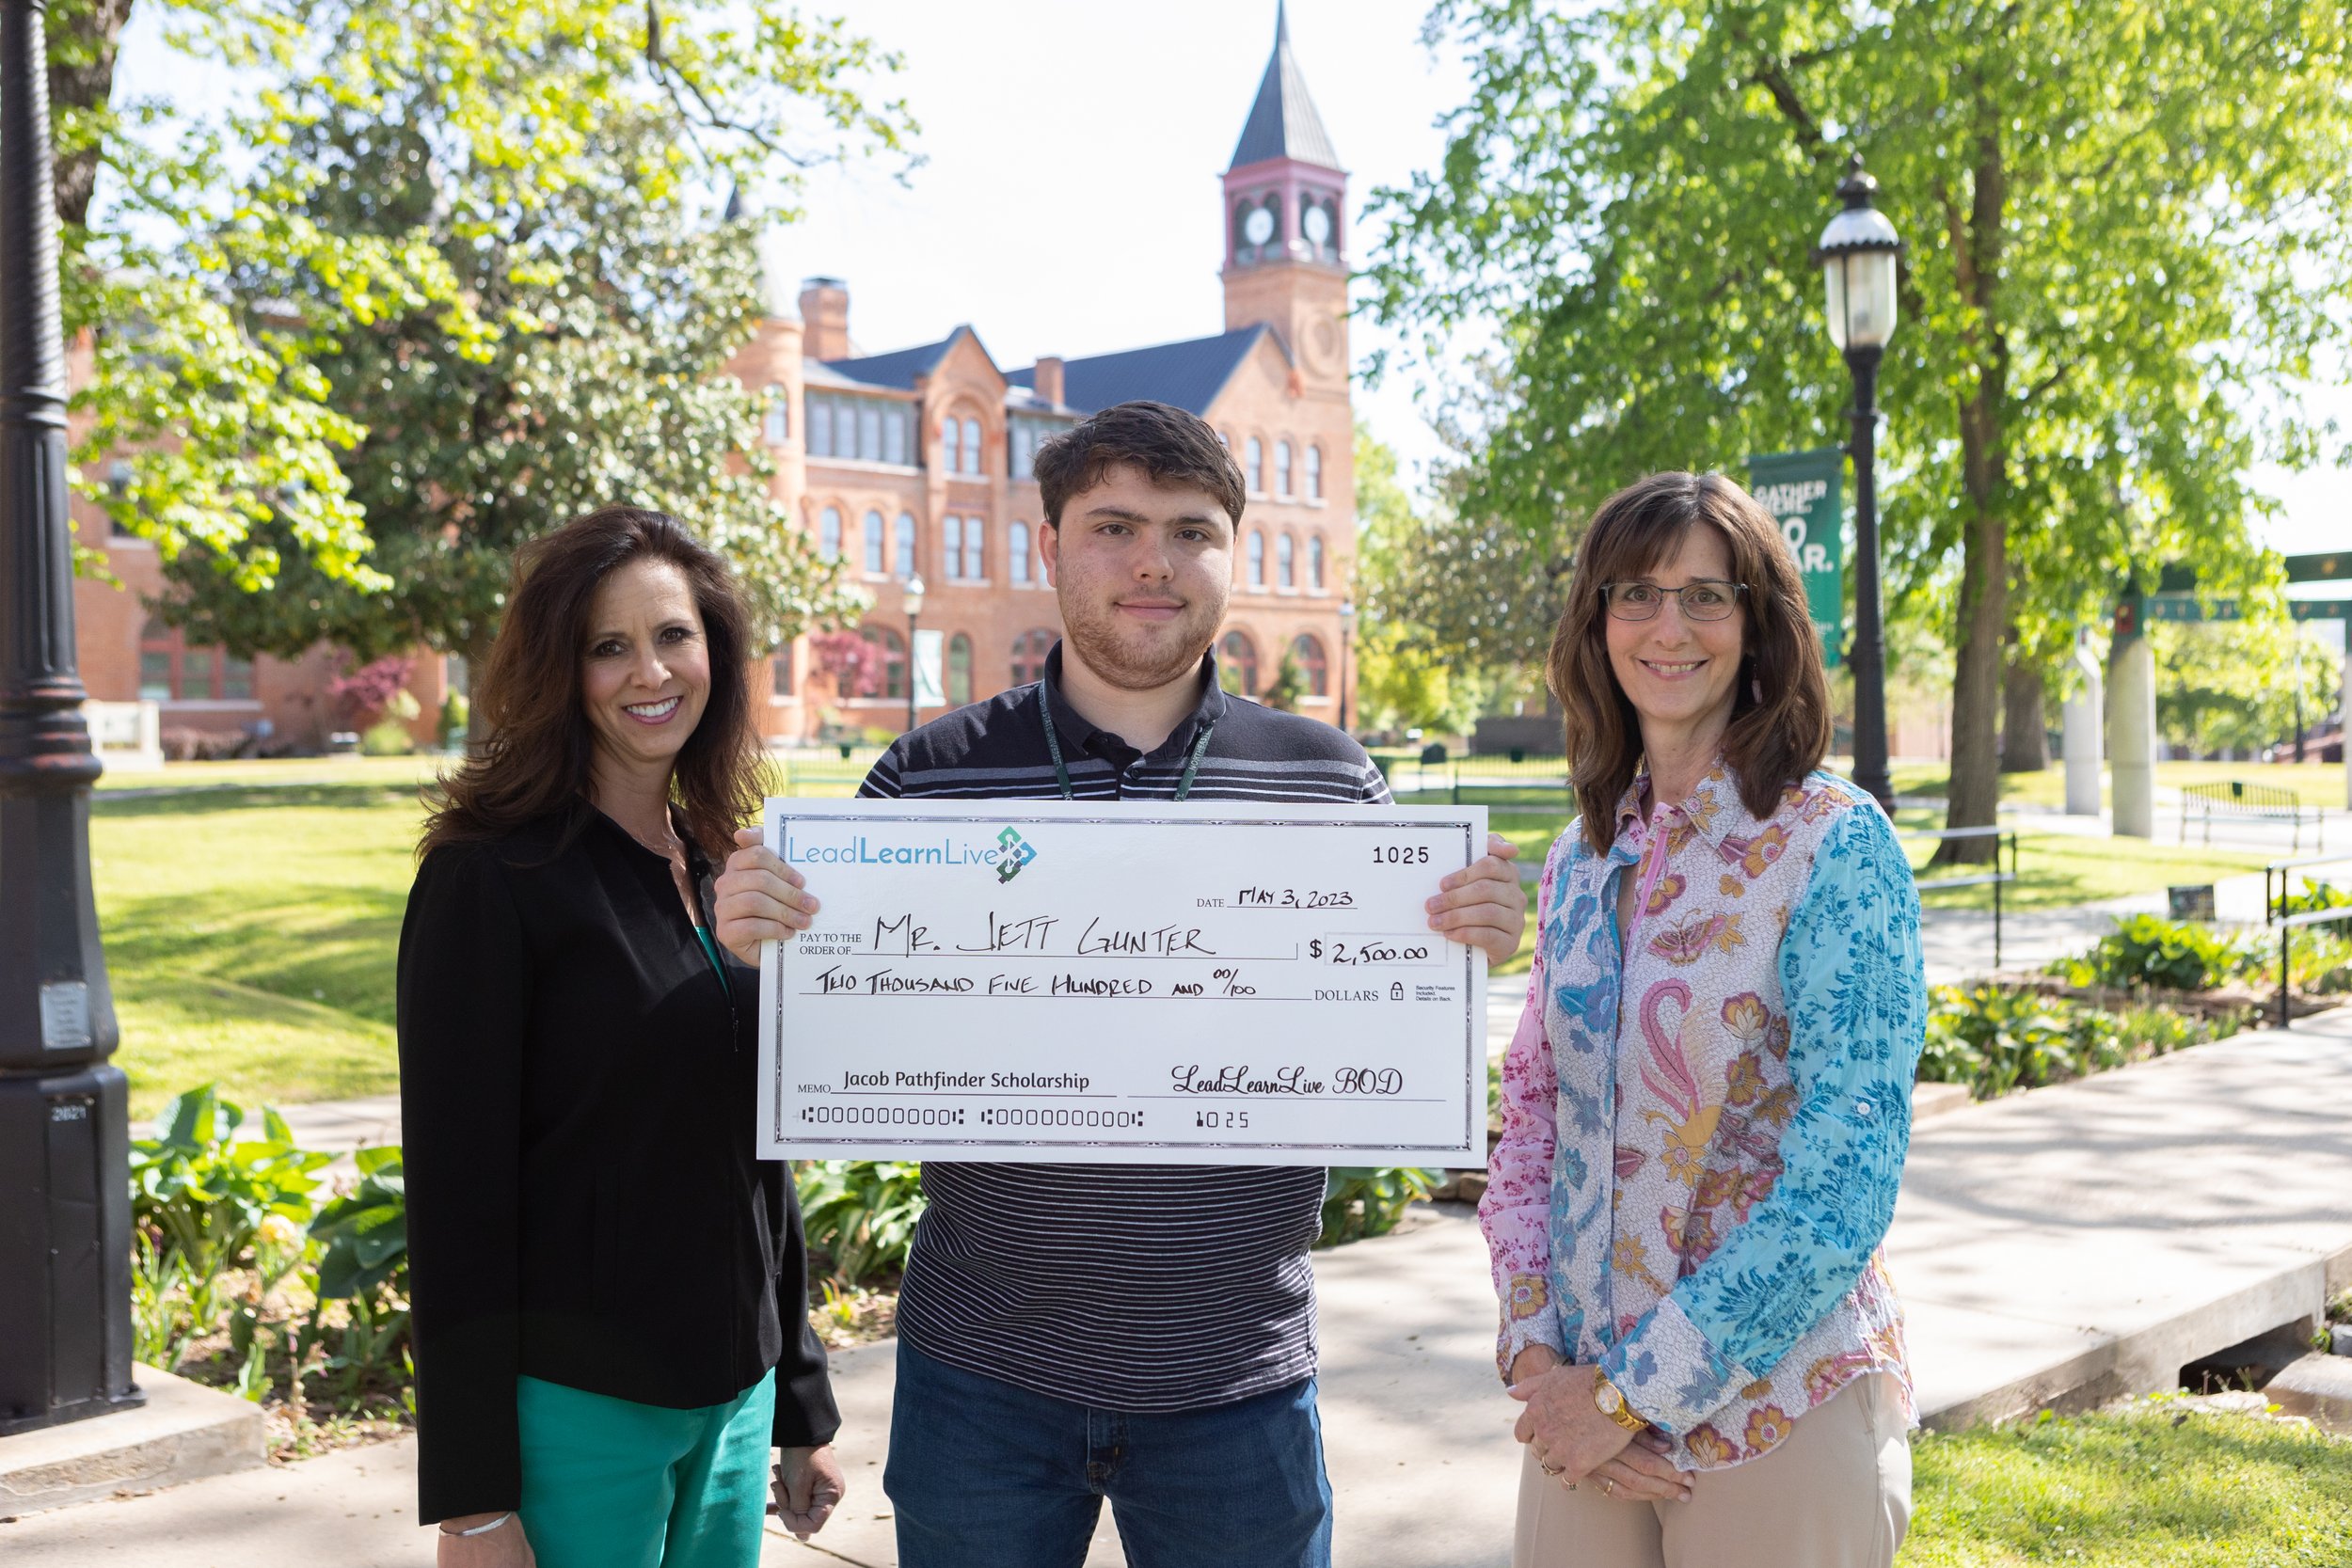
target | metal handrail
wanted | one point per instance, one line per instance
(1995, 877)
(2275, 914)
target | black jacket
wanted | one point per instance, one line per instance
(576, 1104)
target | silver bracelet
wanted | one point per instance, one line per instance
(483, 1529)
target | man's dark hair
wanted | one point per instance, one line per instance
(1173, 448)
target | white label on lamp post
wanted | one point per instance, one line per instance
(65, 1016)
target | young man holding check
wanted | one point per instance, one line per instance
(1144, 1333)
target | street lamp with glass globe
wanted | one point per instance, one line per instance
(1857, 256)
(911, 591)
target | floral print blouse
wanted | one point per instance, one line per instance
(1703, 1127)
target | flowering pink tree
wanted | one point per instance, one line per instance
(852, 664)
(363, 695)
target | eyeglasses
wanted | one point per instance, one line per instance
(1705, 600)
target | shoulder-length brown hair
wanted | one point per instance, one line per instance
(1775, 738)
(535, 765)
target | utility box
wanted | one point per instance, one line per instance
(65, 1248)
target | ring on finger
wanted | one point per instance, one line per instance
(1607, 1487)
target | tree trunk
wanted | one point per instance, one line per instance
(1974, 797)
(476, 654)
(2024, 735)
(82, 40)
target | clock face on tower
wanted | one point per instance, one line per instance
(1317, 224)
(1258, 227)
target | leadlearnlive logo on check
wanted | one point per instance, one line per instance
(1007, 856)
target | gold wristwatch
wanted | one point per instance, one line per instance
(1612, 1403)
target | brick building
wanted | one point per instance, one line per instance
(916, 463)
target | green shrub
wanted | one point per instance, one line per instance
(387, 738)
(1995, 1038)
(362, 1237)
(205, 1205)
(861, 1214)
(1363, 1200)
(449, 728)
(2149, 950)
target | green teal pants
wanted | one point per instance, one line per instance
(610, 1483)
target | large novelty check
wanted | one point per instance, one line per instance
(1147, 983)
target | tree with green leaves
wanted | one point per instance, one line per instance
(2128, 224)
(476, 246)
(2240, 686)
(1411, 582)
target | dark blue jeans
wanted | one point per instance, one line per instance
(985, 1473)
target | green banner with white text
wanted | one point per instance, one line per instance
(1802, 492)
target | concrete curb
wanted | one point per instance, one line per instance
(185, 1432)
(2149, 1358)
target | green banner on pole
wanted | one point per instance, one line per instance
(1801, 489)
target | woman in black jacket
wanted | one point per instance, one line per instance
(608, 1286)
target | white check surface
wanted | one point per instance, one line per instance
(1148, 983)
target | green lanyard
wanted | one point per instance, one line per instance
(1061, 772)
(710, 951)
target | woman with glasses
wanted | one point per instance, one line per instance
(1707, 1101)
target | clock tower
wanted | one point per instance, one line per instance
(1285, 225)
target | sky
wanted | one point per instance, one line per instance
(1068, 204)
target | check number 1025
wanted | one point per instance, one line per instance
(1400, 854)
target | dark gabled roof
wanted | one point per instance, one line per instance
(1187, 375)
(900, 368)
(1282, 123)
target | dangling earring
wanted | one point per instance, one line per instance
(1755, 691)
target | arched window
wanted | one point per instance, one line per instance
(951, 544)
(1225, 439)
(893, 660)
(1239, 655)
(1257, 557)
(1017, 549)
(1253, 466)
(877, 545)
(1285, 565)
(782, 664)
(972, 447)
(903, 567)
(959, 669)
(828, 533)
(975, 549)
(1315, 473)
(1315, 562)
(1029, 655)
(1282, 467)
(779, 417)
(1308, 652)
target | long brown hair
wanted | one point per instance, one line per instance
(536, 764)
(1776, 740)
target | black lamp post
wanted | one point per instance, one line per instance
(65, 1191)
(1347, 624)
(912, 591)
(1857, 260)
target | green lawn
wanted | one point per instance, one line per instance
(2158, 1487)
(2315, 784)
(250, 933)
(405, 771)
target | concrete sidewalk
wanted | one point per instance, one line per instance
(2057, 1246)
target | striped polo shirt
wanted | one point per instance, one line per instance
(1139, 1288)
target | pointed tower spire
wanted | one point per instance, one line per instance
(1283, 122)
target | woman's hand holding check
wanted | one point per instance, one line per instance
(759, 898)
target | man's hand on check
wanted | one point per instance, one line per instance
(1484, 904)
(762, 899)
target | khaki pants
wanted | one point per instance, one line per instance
(1836, 1494)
